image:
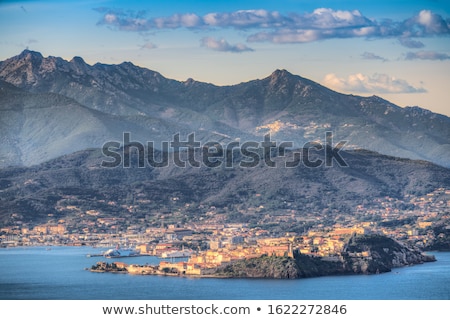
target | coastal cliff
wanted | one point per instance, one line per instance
(376, 254)
(363, 254)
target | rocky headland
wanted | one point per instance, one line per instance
(363, 254)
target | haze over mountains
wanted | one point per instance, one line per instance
(51, 107)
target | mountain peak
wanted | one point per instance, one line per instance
(77, 60)
(78, 65)
(280, 73)
(189, 82)
(29, 54)
(292, 107)
(281, 77)
(128, 64)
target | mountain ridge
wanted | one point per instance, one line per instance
(289, 107)
(79, 179)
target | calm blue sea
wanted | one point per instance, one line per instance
(59, 273)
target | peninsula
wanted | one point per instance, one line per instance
(361, 254)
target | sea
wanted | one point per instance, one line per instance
(61, 273)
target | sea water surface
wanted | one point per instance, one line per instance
(59, 273)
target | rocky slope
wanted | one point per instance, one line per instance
(289, 107)
(79, 179)
(369, 254)
(376, 254)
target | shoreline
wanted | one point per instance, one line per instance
(211, 275)
(92, 285)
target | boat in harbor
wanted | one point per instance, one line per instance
(120, 253)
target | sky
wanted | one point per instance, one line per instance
(398, 50)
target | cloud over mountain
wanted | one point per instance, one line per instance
(223, 45)
(380, 83)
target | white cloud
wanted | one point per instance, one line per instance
(124, 20)
(286, 36)
(372, 56)
(427, 55)
(309, 35)
(378, 83)
(110, 18)
(432, 23)
(149, 46)
(223, 45)
(324, 18)
(244, 19)
(187, 20)
(410, 43)
(271, 26)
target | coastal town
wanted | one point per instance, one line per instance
(211, 242)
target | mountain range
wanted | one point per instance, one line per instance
(56, 115)
(74, 184)
(50, 107)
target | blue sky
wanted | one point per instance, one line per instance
(399, 50)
